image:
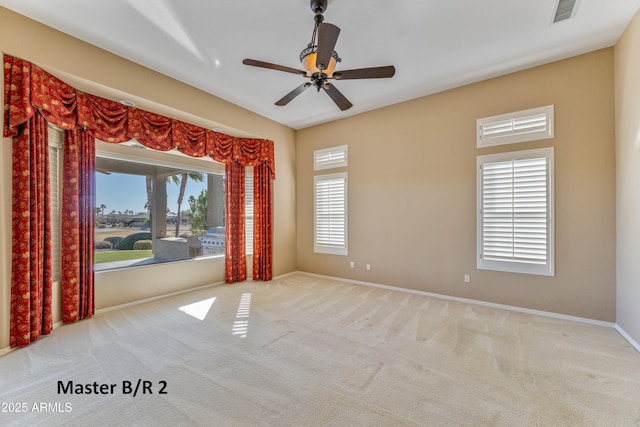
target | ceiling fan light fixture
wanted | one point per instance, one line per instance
(319, 60)
(308, 60)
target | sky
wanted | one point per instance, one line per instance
(121, 192)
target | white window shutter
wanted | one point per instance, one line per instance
(54, 189)
(330, 207)
(515, 223)
(248, 209)
(328, 158)
(526, 125)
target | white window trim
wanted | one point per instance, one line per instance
(135, 153)
(328, 158)
(545, 269)
(526, 125)
(319, 247)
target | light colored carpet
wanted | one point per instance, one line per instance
(307, 351)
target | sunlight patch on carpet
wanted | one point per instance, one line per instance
(241, 326)
(199, 309)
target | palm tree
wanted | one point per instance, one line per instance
(184, 177)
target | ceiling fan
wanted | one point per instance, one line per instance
(319, 61)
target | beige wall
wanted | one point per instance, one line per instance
(627, 104)
(411, 180)
(412, 190)
(101, 73)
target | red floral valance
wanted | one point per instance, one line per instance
(34, 97)
(29, 88)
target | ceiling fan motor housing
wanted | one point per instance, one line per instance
(319, 62)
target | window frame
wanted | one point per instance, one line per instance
(134, 152)
(508, 124)
(249, 205)
(548, 267)
(332, 157)
(318, 245)
(55, 144)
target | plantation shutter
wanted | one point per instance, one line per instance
(54, 188)
(527, 125)
(328, 158)
(533, 123)
(330, 198)
(248, 210)
(515, 218)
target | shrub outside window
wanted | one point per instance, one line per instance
(156, 207)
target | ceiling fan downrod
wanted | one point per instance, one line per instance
(319, 62)
(318, 7)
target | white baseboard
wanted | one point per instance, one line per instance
(627, 337)
(471, 301)
(142, 301)
(8, 350)
(130, 304)
(487, 304)
(393, 288)
(282, 276)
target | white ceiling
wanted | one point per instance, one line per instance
(434, 44)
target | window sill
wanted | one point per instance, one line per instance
(145, 262)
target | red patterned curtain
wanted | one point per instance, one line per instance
(262, 214)
(31, 268)
(28, 89)
(235, 254)
(78, 221)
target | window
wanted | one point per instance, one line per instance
(527, 125)
(55, 169)
(328, 158)
(515, 212)
(330, 207)
(248, 209)
(156, 207)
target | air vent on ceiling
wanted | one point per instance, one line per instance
(565, 10)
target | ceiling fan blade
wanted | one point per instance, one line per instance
(327, 38)
(270, 66)
(341, 101)
(366, 73)
(289, 97)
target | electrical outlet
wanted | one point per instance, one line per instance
(467, 278)
(368, 266)
(352, 264)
